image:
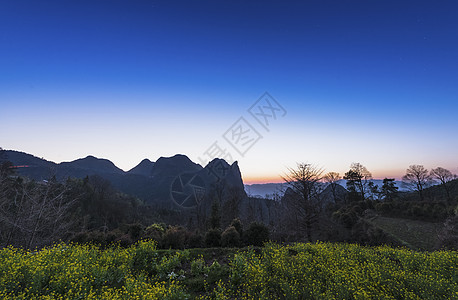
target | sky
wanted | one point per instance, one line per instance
(265, 83)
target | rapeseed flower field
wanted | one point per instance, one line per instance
(298, 271)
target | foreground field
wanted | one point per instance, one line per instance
(300, 271)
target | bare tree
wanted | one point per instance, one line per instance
(332, 178)
(444, 176)
(34, 214)
(417, 178)
(358, 178)
(305, 204)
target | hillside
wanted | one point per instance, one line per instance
(414, 234)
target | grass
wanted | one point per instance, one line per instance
(414, 234)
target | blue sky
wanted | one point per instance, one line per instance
(361, 81)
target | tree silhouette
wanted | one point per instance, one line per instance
(332, 178)
(358, 178)
(417, 178)
(305, 204)
(444, 176)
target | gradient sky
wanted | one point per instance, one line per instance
(374, 82)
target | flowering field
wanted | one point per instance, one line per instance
(300, 271)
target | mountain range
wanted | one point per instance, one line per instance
(269, 189)
(169, 182)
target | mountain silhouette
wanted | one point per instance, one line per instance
(143, 168)
(93, 164)
(153, 182)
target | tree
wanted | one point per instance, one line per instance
(358, 178)
(444, 176)
(374, 191)
(332, 178)
(417, 178)
(215, 216)
(305, 204)
(389, 189)
(231, 204)
(35, 214)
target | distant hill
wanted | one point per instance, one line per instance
(263, 189)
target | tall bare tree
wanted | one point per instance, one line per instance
(444, 176)
(417, 178)
(305, 205)
(332, 178)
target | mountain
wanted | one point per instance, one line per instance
(143, 168)
(93, 165)
(172, 182)
(263, 189)
(377, 182)
(172, 166)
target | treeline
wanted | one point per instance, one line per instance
(38, 213)
(309, 215)
(314, 207)
(179, 237)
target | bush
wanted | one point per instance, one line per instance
(256, 234)
(195, 240)
(135, 231)
(154, 232)
(174, 237)
(213, 238)
(238, 226)
(230, 237)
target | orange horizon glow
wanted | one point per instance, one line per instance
(277, 179)
(261, 180)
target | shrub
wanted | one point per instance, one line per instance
(256, 234)
(195, 240)
(238, 226)
(174, 237)
(135, 231)
(213, 238)
(155, 232)
(230, 237)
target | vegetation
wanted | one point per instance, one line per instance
(298, 271)
(103, 244)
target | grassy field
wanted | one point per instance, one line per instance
(411, 233)
(299, 271)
